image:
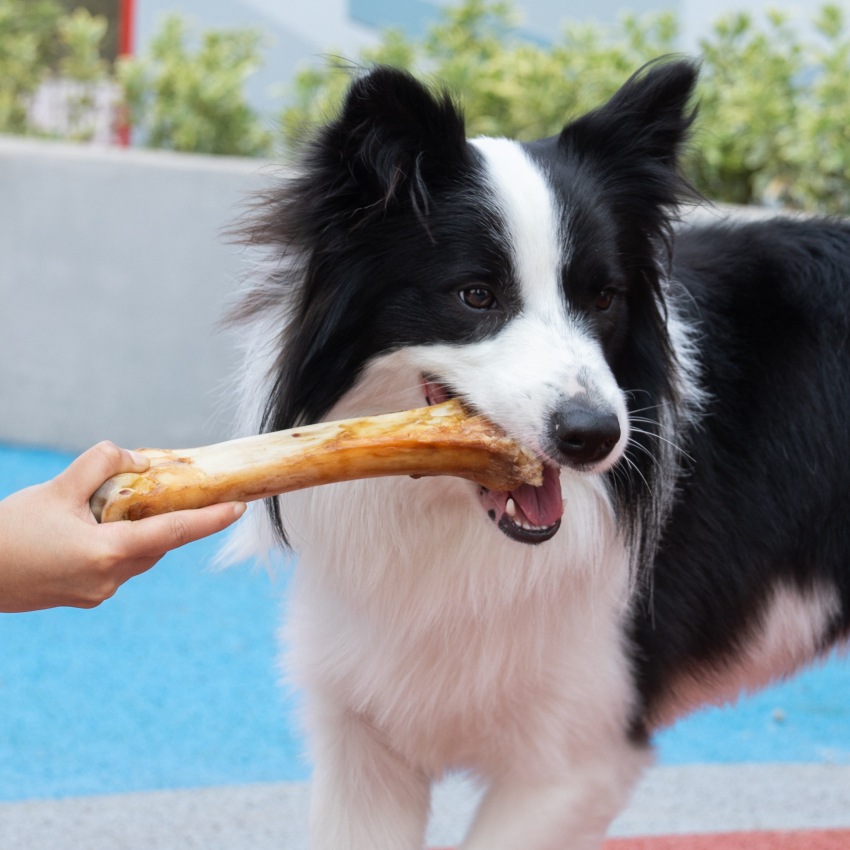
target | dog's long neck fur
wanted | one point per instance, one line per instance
(453, 584)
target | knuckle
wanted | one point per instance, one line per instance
(107, 589)
(104, 458)
(109, 451)
(94, 598)
(102, 587)
(112, 553)
(180, 532)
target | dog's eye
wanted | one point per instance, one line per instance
(479, 298)
(605, 298)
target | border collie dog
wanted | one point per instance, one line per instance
(687, 387)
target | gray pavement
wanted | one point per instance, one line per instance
(670, 800)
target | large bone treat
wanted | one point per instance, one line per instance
(439, 440)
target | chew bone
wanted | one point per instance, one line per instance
(439, 440)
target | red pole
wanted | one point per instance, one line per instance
(126, 38)
(126, 27)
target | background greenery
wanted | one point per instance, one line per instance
(774, 122)
(187, 93)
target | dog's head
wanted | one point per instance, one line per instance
(524, 278)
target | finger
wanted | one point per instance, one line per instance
(156, 535)
(87, 472)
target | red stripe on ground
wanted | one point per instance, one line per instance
(821, 839)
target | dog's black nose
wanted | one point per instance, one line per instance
(584, 434)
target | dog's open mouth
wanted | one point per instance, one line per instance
(527, 514)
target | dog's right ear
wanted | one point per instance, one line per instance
(633, 141)
(392, 139)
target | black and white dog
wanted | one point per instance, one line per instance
(688, 388)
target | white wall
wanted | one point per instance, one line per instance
(113, 275)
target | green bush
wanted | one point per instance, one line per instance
(180, 95)
(507, 84)
(817, 145)
(187, 98)
(81, 36)
(39, 40)
(28, 47)
(774, 107)
(774, 120)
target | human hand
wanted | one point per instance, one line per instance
(53, 552)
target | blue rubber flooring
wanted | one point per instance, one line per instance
(174, 683)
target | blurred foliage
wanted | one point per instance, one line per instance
(81, 36)
(29, 45)
(110, 10)
(39, 41)
(191, 97)
(507, 84)
(774, 123)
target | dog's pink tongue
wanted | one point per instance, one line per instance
(544, 505)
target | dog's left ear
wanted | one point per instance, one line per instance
(641, 129)
(391, 140)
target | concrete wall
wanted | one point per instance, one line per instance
(113, 275)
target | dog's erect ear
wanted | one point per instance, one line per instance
(390, 140)
(644, 125)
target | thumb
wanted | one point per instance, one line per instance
(87, 472)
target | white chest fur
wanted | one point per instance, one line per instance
(461, 646)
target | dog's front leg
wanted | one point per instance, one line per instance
(364, 796)
(572, 814)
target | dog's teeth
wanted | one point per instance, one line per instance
(510, 508)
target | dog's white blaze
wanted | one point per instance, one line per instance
(791, 633)
(520, 376)
(543, 356)
(534, 220)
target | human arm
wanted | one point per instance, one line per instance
(54, 553)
